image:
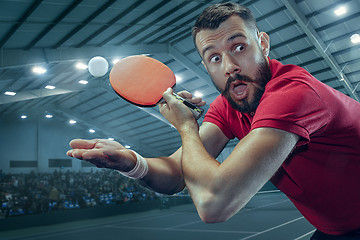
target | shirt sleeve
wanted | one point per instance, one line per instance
(294, 107)
(217, 115)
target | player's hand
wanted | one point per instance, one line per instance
(103, 153)
(189, 97)
(177, 113)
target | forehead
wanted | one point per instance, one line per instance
(233, 24)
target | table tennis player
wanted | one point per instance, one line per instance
(294, 130)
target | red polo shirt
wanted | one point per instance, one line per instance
(322, 176)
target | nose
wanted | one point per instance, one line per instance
(230, 66)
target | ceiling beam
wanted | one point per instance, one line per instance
(166, 14)
(94, 15)
(176, 21)
(20, 22)
(110, 23)
(184, 61)
(320, 46)
(134, 22)
(16, 58)
(41, 93)
(53, 24)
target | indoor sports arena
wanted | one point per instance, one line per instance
(179, 119)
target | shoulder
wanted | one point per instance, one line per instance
(290, 78)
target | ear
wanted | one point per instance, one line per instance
(264, 41)
(204, 65)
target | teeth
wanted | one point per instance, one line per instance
(238, 89)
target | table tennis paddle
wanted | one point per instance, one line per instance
(142, 80)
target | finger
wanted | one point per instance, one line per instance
(185, 94)
(198, 101)
(168, 96)
(74, 154)
(195, 100)
(83, 143)
(114, 159)
(69, 153)
(91, 154)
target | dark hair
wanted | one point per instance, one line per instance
(214, 15)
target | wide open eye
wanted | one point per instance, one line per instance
(239, 48)
(215, 58)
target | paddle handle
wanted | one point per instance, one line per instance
(193, 108)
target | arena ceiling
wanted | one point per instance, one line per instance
(56, 35)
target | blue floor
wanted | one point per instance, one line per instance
(267, 216)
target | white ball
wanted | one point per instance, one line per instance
(98, 66)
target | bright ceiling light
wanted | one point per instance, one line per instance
(127, 146)
(50, 87)
(83, 82)
(91, 131)
(9, 93)
(72, 121)
(115, 60)
(81, 65)
(340, 11)
(48, 116)
(178, 78)
(39, 70)
(23, 116)
(355, 38)
(198, 94)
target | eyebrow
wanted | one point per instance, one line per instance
(230, 39)
(237, 35)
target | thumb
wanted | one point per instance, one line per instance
(168, 95)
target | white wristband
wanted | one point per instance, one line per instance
(140, 170)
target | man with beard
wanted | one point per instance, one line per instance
(293, 130)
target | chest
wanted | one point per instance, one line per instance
(241, 125)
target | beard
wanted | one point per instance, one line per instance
(262, 77)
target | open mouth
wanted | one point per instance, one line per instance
(240, 88)
(239, 91)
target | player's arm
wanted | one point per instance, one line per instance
(164, 175)
(221, 190)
